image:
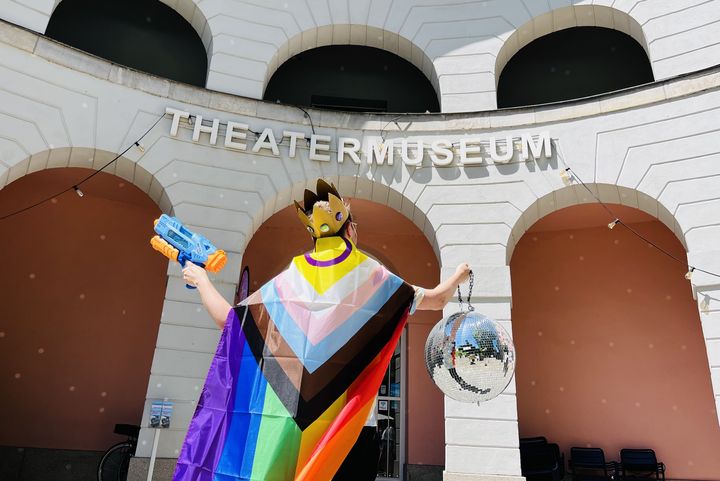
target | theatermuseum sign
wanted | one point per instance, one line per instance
(467, 150)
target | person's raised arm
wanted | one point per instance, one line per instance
(435, 299)
(214, 303)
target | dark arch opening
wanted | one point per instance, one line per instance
(573, 63)
(352, 78)
(142, 34)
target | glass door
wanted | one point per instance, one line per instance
(391, 418)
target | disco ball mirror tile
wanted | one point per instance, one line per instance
(470, 357)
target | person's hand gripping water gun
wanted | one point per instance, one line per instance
(178, 243)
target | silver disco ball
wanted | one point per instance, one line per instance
(470, 357)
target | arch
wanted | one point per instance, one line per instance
(353, 187)
(362, 35)
(190, 11)
(82, 306)
(195, 18)
(385, 234)
(607, 334)
(564, 18)
(571, 64)
(91, 158)
(576, 195)
(352, 78)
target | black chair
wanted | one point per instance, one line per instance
(560, 457)
(540, 460)
(588, 464)
(533, 440)
(641, 464)
(538, 440)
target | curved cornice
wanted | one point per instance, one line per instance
(632, 98)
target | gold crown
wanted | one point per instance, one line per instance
(324, 221)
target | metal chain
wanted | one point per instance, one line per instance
(460, 301)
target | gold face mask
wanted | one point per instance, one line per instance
(323, 221)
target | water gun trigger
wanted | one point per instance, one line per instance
(183, 259)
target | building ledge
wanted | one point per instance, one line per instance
(631, 98)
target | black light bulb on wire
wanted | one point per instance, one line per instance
(77, 190)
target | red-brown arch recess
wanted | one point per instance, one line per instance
(82, 294)
(395, 241)
(609, 343)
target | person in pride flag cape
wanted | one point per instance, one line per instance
(300, 361)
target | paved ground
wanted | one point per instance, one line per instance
(35, 464)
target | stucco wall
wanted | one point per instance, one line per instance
(652, 148)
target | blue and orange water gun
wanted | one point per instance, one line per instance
(178, 243)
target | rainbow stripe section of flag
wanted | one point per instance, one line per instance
(296, 371)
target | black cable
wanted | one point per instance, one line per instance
(77, 184)
(394, 119)
(617, 220)
(312, 126)
(595, 196)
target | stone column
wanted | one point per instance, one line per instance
(481, 440)
(706, 288)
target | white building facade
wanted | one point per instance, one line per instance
(483, 178)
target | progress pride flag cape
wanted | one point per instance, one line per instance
(297, 370)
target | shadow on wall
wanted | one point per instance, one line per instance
(82, 296)
(609, 343)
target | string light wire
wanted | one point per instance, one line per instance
(136, 143)
(76, 186)
(392, 120)
(568, 172)
(307, 115)
(618, 221)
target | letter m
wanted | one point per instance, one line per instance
(381, 151)
(539, 147)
